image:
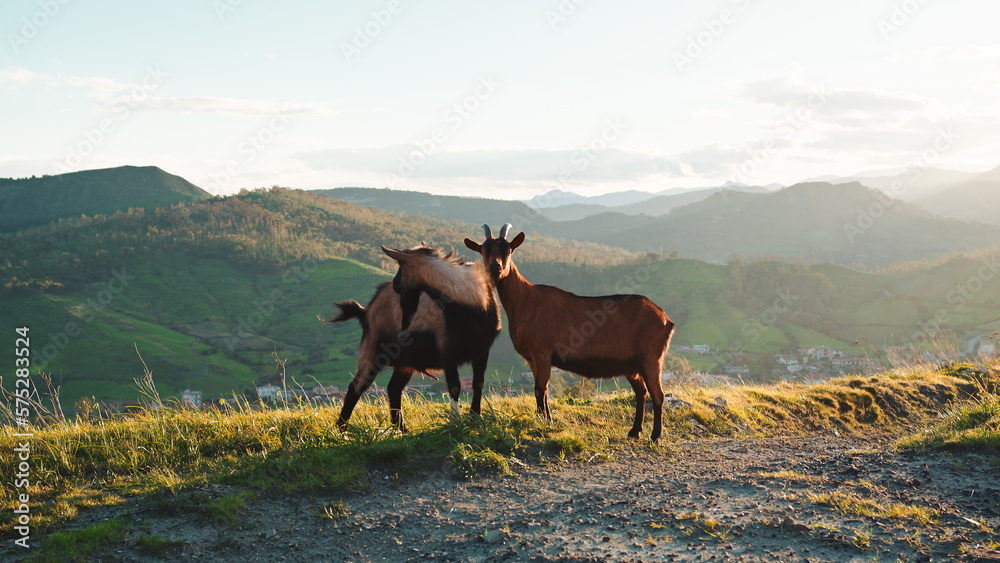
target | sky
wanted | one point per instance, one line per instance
(503, 100)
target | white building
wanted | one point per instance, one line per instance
(268, 392)
(701, 348)
(193, 398)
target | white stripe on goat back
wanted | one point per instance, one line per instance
(466, 284)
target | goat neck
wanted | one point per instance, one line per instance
(512, 287)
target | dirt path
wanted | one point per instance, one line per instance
(641, 508)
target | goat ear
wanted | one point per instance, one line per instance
(396, 255)
(517, 240)
(473, 245)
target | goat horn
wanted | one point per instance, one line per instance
(504, 229)
(486, 229)
(395, 254)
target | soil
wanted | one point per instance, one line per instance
(641, 506)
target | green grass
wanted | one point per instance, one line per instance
(969, 424)
(155, 545)
(81, 545)
(848, 503)
(226, 510)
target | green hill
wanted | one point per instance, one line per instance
(33, 201)
(210, 290)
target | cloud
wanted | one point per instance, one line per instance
(108, 93)
(587, 164)
(232, 106)
(13, 77)
(848, 120)
(965, 53)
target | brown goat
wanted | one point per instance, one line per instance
(596, 337)
(428, 332)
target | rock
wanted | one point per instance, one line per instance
(793, 526)
(494, 536)
(675, 403)
(720, 402)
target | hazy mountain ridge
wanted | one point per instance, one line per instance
(846, 223)
(967, 196)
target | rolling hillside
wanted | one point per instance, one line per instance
(36, 201)
(210, 290)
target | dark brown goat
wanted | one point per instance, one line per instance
(434, 338)
(596, 337)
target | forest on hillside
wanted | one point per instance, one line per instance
(257, 230)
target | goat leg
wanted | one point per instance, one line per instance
(454, 385)
(478, 377)
(400, 378)
(361, 382)
(542, 369)
(640, 404)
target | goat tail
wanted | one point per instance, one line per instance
(348, 310)
(670, 326)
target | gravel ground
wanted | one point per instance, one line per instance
(706, 500)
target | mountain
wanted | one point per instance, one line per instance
(557, 198)
(909, 184)
(34, 201)
(846, 223)
(473, 210)
(975, 199)
(659, 204)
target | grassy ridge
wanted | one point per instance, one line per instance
(167, 451)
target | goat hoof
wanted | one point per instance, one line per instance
(634, 433)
